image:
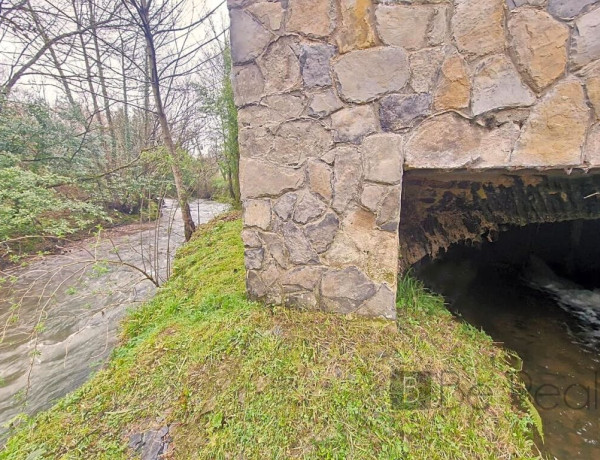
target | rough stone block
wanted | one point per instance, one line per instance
(347, 176)
(539, 44)
(261, 178)
(454, 87)
(308, 208)
(248, 37)
(497, 84)
(322, 233)
(478, 26)
(343, 291)
(324, 103)
(592, 147)
(280, 67)
(353, 123)
(568, 9)
(554, 134)
(355, 26)
(257, 213)
(248, 84)
(314, 62)
(586, 39)
(368, 74)
(382, 158)
(270, 14)
(310, 17)
(319, 179)
(400, 111)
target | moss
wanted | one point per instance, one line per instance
(234, 379)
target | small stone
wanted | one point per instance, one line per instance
(592, 147)
(399, 111)
(388, 217)
(372, 196)
(539, 43)
(367, 74)
(284, 207)
(314, 62)
(425, 65)
(454, 87)
(254, 258)
(261, 178)
(248, 37)
(310, 17)
(382, 158)
(322, 233)
(497, 84)
(478, 26)
(319, 179)
(355, 29)
(353, 123)
(248, 84)
(343, 291)
(568, 9)
(324, 103)
(308, 208)
(346, 177)
(275, 248)
(382, 304)
(269, 14)
(298, 246)
(257, 213)
(302, 278)
(585, 46)
(251, 239)
(280, 67)
(555, 132)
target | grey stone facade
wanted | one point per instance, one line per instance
(337, 97)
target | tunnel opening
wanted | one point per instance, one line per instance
(517, 256)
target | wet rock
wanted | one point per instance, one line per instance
(353, 123)
(365, 75)
(314, 62)
(151, 444)
(497, 84)
(555, 132)
(399, 111)
(539, 43)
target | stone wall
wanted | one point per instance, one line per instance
(336, 97)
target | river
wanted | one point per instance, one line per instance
(512, 291)
(59, 314)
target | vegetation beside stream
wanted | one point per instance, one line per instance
(234, 379)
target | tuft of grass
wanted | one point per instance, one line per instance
(234, 379)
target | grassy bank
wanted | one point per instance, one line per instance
(234, 379)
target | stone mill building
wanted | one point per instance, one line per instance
(376, 132)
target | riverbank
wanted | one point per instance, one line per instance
(205, 373)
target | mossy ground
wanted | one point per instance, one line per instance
(235, 379)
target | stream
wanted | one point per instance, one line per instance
(531, 295)
(59, 314)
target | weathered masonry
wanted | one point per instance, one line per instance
(489, 110)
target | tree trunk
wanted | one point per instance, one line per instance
(188, 222)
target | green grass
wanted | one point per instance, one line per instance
(235, 379)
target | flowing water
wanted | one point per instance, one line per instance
(59, 314)
(512, 291)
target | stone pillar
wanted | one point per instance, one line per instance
(320, 180)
